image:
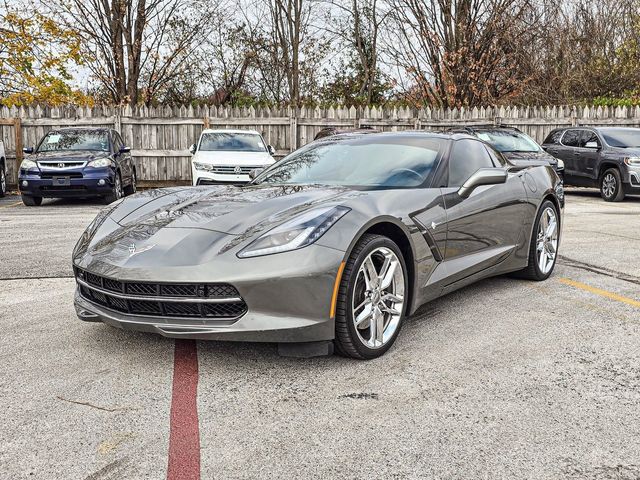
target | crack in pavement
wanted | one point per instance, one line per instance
(568, 262)
(53, 277)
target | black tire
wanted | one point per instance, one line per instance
(3, 181)
(116, 192)
(533, 272)
(611, 188)
(132, 187)
(347, 341)
(30, 201)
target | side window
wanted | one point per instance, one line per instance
(467, 157)
(554, 137)
(589, 137)
(571, 138)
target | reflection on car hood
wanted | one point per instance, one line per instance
(204, 221)
(67, 155)
(227, 209)
(530, 158)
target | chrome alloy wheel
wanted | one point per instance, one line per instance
(547, 240)
(609, 185)
(378, 298)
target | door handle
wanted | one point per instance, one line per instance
(576, 153)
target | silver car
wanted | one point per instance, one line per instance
(332, 247)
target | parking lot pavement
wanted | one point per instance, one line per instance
(503, 379)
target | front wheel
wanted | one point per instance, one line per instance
(543, 250)
(116, 191)
(611, 188)
(30, 201)
(371, 302)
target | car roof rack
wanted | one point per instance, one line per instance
(479, 126)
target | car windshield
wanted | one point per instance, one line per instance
(381, 161)
(509, 141)
(621, 137)
(96, 141)
(231, 142)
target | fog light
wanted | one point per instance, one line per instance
(101, 182)
(25, 183)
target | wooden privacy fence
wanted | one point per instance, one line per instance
(160, 137)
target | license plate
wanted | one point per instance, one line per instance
(62, 181)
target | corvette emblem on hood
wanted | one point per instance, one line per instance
(133, 251)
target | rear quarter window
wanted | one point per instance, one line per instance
(554, 137)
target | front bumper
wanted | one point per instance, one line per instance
(66, 183)
(288, 298)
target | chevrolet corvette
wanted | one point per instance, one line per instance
(331, 248)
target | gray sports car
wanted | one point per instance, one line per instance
(334, 245)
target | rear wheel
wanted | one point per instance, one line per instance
(611, 186)
(30, 201)
(3, 181)
(371, 301)
(131, 189)
(543, 251)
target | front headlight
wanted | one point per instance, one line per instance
(100, 163)
(27, 164)
(295, 233)
(203, 166)
(560, 165)
(632, 161)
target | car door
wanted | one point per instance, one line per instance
(122, 158)
(567, 153)
(486, 227)
(585, 159)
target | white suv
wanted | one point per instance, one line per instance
(228, 156)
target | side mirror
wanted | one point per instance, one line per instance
(28, 150)
(271, 150)
(592, 145)
(255, 172)
(125, 149)
(484, 176)
(192, 149)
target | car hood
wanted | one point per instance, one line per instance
(530, 158)
(203, 221)
(234, 158)
(79, 156)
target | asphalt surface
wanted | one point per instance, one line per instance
(503, 379)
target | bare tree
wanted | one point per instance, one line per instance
(461, 52)
(279, 33)
(137, 46)
(358, 26)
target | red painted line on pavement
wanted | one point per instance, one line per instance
(184, 435)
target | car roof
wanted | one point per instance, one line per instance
(230, 130)
(483, 128)
(75, 129)
(405, 133)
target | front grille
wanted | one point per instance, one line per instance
(231, 170)
(49, 175)
(65, 188)
(219, 300)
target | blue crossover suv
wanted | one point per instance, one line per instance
(77, 162)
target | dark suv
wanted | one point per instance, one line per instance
(516, 146)
(77, 162)
(603, 157)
